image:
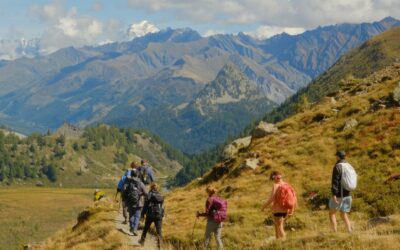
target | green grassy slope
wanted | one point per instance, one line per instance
(95, 159)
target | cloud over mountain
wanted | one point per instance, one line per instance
(141, 29)
(289, 13)
(66, 27)
(265, 31)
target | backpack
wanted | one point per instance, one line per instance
(349, 177)
(219, 209)
(286, 196)
(155, 209)
(131, 192)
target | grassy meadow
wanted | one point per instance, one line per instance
(303, 150)
(30, 215)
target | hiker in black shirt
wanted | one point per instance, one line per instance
(154, 211)
(341, 199)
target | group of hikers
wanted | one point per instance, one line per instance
(137, 202)
(283, 197)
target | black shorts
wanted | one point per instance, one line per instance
(283, 215)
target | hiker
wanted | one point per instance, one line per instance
(154, 211)
(146, 173)
(216, 213)
(119, 190)
(344, 180)
(283, 200)
(98, 195)
(134, 192)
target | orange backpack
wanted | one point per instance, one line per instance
(285, 196)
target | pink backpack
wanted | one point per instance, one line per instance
(219, 209)
(286, 197)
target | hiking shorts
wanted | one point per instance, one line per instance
(280, 215)
(343, 206)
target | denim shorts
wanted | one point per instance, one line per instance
(343, 206)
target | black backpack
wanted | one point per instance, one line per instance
(155, 209)
(131, 192)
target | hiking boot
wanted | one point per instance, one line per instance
(133, 232)
(141, 242)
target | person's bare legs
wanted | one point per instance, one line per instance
(346, 220)
(276, 227)
(332, 218)
(279, 230)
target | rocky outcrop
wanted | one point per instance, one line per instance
(250, 164)
(263, 129)
(69, 131)
(396, 94)
(233, 149)
(350, 123)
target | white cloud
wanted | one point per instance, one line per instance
(280, 13)
(66, 27)
(140, 29)
(264, 31)
(211, 33)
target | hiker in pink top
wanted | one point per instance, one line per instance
(283, 200)
(214, 224)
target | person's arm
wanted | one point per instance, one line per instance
(150, 173)
(143, 187)
(270, 200)
(208, 207)
(146, 205)
(120, 185)
(116, 194)
(336, 178)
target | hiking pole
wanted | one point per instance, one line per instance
(194, 225)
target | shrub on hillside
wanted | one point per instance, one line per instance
(51, 172)
(379, 198)
(317, 197)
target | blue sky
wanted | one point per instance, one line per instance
(60, 23)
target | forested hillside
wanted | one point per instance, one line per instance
(95, 157)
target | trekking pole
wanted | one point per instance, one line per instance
(194, 225)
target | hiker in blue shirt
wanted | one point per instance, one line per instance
(146, 173)
(134, 192)
(119, 190)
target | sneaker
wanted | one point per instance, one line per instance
(133, 232)
(141, 242)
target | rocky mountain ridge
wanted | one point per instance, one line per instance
(157, 75)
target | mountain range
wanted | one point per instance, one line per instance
(193, 91)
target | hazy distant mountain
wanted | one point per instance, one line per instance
(167, 81)
(13, 49)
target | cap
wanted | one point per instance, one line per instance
(341, 154)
